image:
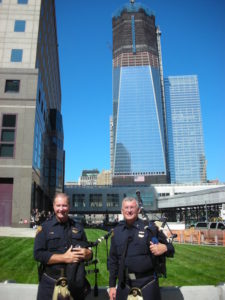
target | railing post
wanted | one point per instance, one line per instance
(202, 238)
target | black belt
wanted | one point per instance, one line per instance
(135, 275)
(54, 273)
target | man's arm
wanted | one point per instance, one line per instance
(112, 293)
(163, 246)
(73, 254)
(44, 256)
(41, 254)
(70, 256)
(113, 269)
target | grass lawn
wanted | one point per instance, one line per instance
(192, 265)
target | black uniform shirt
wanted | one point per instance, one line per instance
(138, 258)
(54, 237)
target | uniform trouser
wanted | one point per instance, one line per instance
(149, 287)
(46, 288)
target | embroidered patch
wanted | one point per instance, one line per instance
(39, 229)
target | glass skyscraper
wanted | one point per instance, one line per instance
(138, 124)
(187, 162)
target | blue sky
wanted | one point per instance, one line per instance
(193, 42)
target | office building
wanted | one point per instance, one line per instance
(104, 178)
(31, 145)
(187, 162)
(88, 177)
(138, 152)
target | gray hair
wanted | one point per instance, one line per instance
(63, 195)
(130, 199)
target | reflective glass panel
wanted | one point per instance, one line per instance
(138, 136)
(187, 162)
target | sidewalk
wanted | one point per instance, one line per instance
(17, 232)
(12, 291)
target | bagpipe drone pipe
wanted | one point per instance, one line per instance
(156, 227)
(94, 261)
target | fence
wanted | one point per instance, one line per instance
(200, 237)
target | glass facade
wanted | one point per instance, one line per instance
(78, 200)
(138, 123)
(187, 162)
(92, 199)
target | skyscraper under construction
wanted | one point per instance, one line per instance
(138, 130)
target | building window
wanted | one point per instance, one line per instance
(112, 200)
(8, 129)
(16, 55)
(95, 200)
(12, 86)
(19, 26)
(78, 200)
(22, 1)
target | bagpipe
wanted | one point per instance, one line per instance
(156, 226)
(95, 261)
(159, 222)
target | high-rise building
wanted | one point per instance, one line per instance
(187, 162)
(138, 124)
(31, 131)
(104, 178)
(88, 177)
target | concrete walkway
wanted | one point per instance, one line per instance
(12, 291)
(17, 232)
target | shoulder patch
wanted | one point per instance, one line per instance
(39, 229)
(112, 234)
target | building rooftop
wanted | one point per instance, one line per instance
(132, 7)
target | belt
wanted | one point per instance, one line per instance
(133, 276)
(54, 273)
(49, 277)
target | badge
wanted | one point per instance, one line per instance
(39, 229)
(141, 234)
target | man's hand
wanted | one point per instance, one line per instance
(83, 253)
(112, 293)
(157, 249)
(72, 255)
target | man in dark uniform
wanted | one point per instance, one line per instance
(133, 255)
(56, 247)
